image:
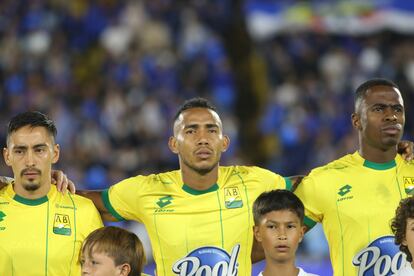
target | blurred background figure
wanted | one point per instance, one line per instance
(111, 74)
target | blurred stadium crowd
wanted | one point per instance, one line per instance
(112, 73)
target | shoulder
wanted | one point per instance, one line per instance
(250, 170)
(338, 165)
(151, 179)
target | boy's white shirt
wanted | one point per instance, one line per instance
(406, 271)
(301, 273)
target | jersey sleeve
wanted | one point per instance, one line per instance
(275, 181)
(122, 199)
(307, 192)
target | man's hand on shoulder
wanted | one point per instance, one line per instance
(405, 148)
(4, 181)
(62, 182)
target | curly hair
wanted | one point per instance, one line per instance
(399, 224)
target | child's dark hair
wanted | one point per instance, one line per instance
(399, 224)
(277, 200)
(194, 103)
(119, 244)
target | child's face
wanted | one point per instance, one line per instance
(409, 236)
(99, 264)
(280, 233)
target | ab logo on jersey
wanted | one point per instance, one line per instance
(208, 261)
(61, 225)
(408, 185)
(232, 198)
(381, 258)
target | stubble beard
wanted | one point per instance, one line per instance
(202, 170)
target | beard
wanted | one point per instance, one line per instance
(200, 170)
(31, 185)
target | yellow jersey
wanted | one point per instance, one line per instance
(195, 231)
(355, 200)
(43, 236)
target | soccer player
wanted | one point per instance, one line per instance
(355, 197)
(40, 229)
(402, 226)
(112, 251)
(278, 218)
(6, 264)
(198, 218)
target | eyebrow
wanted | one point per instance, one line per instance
(198, 125)
(25, 147)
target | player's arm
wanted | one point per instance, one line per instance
(96, 197)
(295, 181)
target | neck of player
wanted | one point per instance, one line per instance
(274, 268)
(377, 155)
(31, 194)
(198, 181)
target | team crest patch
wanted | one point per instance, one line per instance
(232, 198)
(409, 185)
(61, 225)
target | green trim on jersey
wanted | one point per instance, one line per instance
(30, 202)
(380, 166)
(192, 191)
(108, 206)
(289, 185)
(309, 222)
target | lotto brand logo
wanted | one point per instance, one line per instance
(2, 215)
(380, 258)
(164, 201)
(344, 190)
(208, 261)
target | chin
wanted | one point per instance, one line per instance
(30, 187)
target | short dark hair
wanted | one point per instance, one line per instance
(399, 224)
(194, 103)
(33, 119)
(277, 200)
(362, 89)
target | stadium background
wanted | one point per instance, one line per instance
(112, 73)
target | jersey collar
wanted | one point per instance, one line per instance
(376, 166)
(32, 202)
(192, 191)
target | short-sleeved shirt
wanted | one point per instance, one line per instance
(193, 230)
(355, 200)
(43, 236)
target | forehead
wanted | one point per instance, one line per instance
(281, 216)
(197, 116)
(30, 135)
(383, 94)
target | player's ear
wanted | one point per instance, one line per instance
(302, 232)
(56, 153)
(257, 234)
(404, 242)
(6, 156)
(226, 143)
(124, 269)
(172, 144)
(356, 121)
